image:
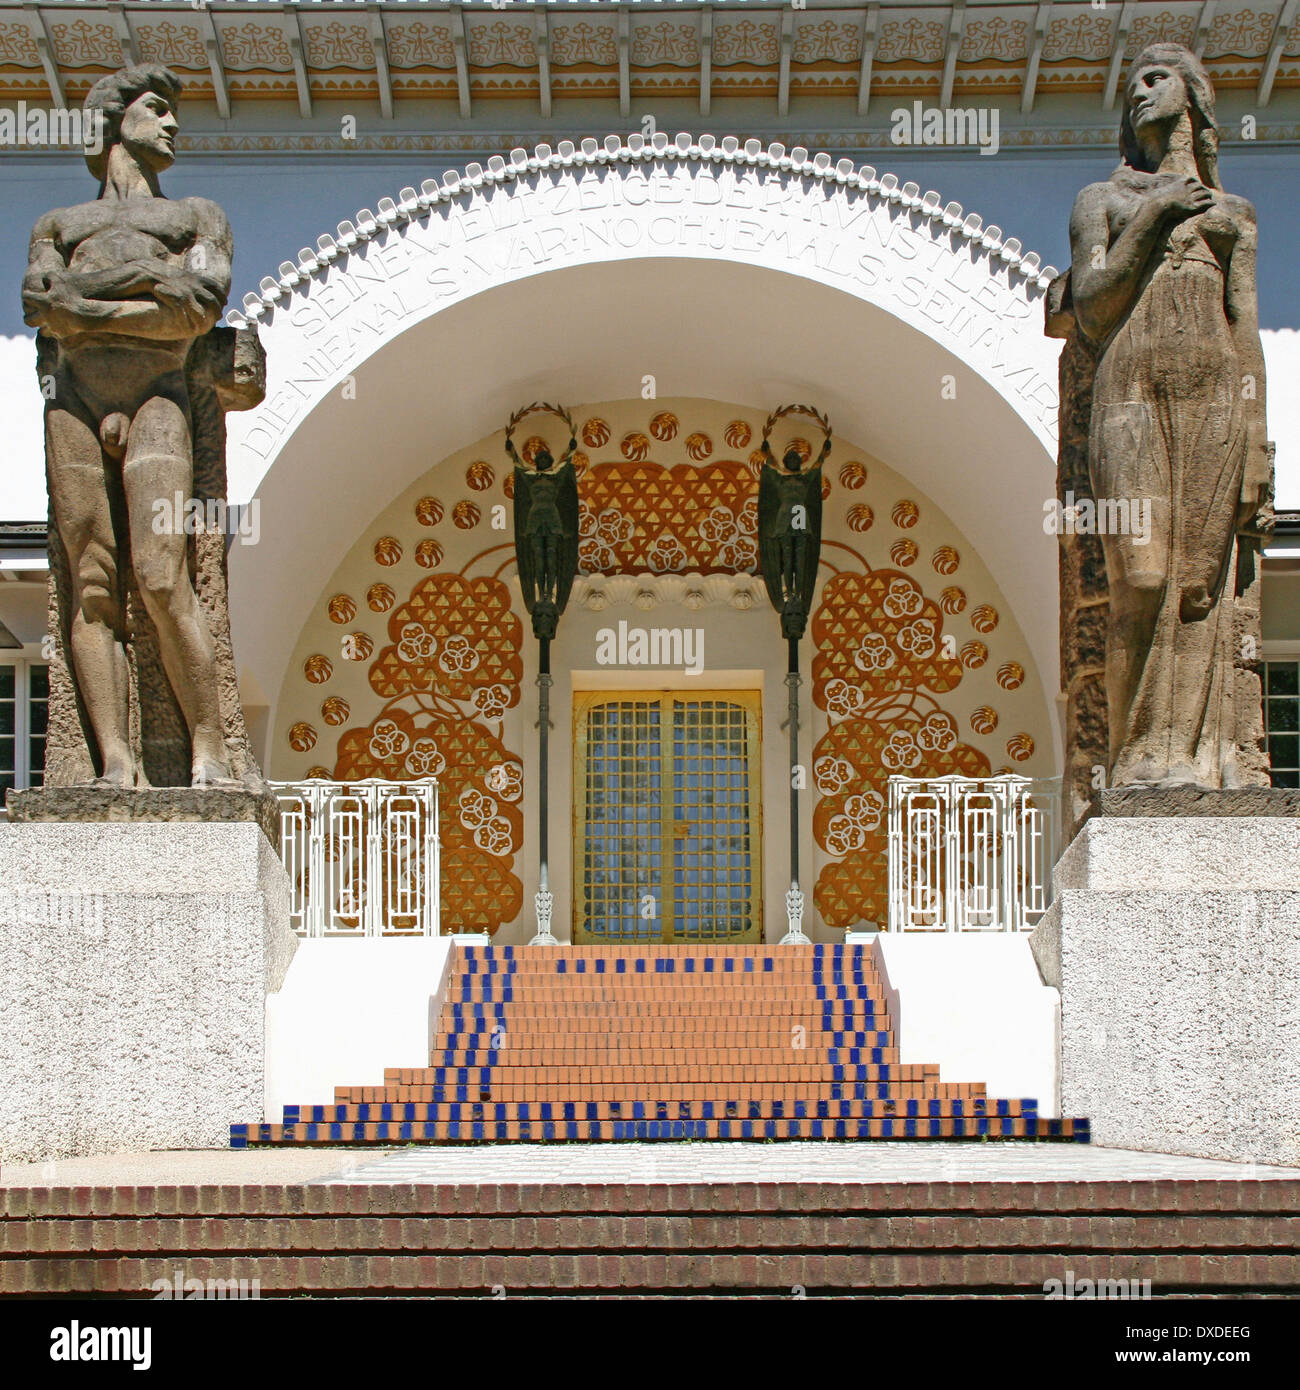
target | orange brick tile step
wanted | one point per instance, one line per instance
(575, 1043)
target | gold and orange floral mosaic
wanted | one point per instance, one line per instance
(893, 637)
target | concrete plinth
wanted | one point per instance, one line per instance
(1175, 943)
(136, 963)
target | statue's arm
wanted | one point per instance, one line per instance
(45, 264)
(1241, 304)
(194, 294)
(1105, 275)
(117, 281)
(179, 305)
(208, 260)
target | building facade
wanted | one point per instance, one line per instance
(843, 240)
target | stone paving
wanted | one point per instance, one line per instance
(877, 1161)
(634, 1163)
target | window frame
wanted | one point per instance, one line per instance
(23, 663)
(1278, 654)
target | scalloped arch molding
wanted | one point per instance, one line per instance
(731, 271)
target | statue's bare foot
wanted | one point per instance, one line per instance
(213, 772)
(118, 774)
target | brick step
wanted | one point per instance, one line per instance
(472, 957)
(650, 991)
(983, 1274)
(690, 983)
(703, 1069)
(692, 973)
(645, 1051)
(1187, 1237)
(747, 1036)
(837, 1091)
(383, 1133)
(176, 1236)
(841, 1013)
(778, 1107)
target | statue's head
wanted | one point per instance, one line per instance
(542, 459)
(792, 459)
(1165, 82)
(137, 107)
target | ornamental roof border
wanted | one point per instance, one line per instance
(410, 205)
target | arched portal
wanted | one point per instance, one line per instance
(702, 269)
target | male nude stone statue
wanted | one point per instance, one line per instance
(125, 285)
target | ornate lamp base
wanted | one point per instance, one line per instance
(543, 903)
(794, 919)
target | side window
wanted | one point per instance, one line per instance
(1282, 720)
(38, 707)
(8, 726)
(24, 706)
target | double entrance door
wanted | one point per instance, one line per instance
(667, 842)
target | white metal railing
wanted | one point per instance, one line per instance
(362, 857)
(971, 854)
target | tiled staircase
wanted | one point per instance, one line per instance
(660, 1042)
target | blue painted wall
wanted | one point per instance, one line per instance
(278, 204)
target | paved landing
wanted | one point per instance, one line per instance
(877, 1161)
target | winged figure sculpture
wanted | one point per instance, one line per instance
(790, 533)
(546, 533)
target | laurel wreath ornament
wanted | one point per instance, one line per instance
(822, 422)
(543, 408)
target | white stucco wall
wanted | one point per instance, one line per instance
(348, 1009)
(975, 1005)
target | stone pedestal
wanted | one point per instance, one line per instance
(1175, 943)
(98, 804)
(136, 959)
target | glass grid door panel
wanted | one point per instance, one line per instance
(620, 894)
(667, 818)
(713, 853)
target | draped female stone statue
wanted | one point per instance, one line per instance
(1162, 287)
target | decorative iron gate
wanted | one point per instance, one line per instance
(971, 854)
(362, 857)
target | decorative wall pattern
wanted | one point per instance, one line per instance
(665, 41)
(886, 648)
(493, 42)
(449, 672)
(584, 41)
(17, 46)
(1002, 39)
(179, 45)
(921, 40)
(254, 54)
(79, 43)
(256, 46)
(418, 43)
(831, 40)
(414, 663)
(745, 40)
(642, 516)
(332, 44)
